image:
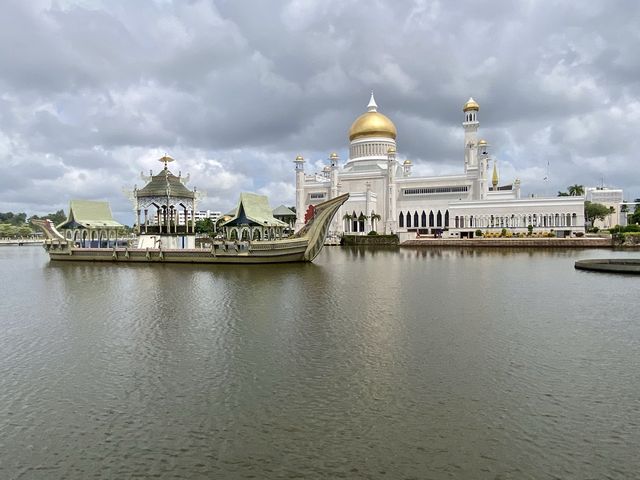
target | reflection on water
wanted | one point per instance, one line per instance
(387, 363)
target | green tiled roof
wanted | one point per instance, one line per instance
(159, 184)
(255, 209)
(283, 211)
(89, 214)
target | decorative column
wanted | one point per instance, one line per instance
(391, 214)
(299, 166)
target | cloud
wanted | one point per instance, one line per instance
(93, 92)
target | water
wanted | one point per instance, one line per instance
(422, 364)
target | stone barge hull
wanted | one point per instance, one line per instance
(277, 254)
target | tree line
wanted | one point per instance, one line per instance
(14, 225)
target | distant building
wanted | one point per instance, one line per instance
(201, 215)
(286, 215)
(384, 196)
(610, 198)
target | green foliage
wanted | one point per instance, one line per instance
(205, 226)
(635, 218)
(57, 217)
(563, 194)
(478, 233)
(503, 232)
(11, 218)
(14, 231)
(372, 232)
(632, 228)
(576, 190)
(530, 229)
(595, 211)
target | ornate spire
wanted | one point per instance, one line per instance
(494, 177)
(373, 106)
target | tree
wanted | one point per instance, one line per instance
(576, 190)
(375, 218)
(205, 226)
(563, 194)
(635, 218)
(595, 211)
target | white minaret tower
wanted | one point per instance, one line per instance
(333, 193)
(299, 162)
(470, 124)
(391, 215)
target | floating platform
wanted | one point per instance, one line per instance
(611, 265)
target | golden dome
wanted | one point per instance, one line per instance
(299, 158)
(333, 155)
(407, 162)
(372, 124)
(482, 142)
(471, 105)
(391, 150)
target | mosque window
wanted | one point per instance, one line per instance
(401, 220)
(316, 196)
(431, 219)
(432, 190)
(408, 219)
(424, 219)
(439, 218)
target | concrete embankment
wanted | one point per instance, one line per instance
(512, 242)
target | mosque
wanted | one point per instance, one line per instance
(385, 197)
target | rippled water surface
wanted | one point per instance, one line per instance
(366, 364)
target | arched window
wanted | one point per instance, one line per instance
(423, 223)
(415, 219)
(431, 219)
(408, 220)
(439, 219)
(446, 219)
(457, 221)
(401, 220)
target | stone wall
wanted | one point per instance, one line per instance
(513, 242)
(370, 240)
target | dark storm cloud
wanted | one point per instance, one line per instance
(90, 91)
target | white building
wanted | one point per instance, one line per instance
(385, 197)
(201, 215)
(610, 198)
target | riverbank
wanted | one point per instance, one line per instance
(511, 242)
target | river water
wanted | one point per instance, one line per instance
(399, 364)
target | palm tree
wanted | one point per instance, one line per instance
(348, 217)
(374, 218)
(576, 190)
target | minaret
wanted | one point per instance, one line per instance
(483, 171)
(299, 162)
(333, 175)
(391, 216)
(333, 193)
(470, 125)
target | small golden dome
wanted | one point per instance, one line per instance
(333, 155)
(299, 158)
(391, 150)
(372, 124)
(471, 105)
(407, 162)
(482, 142)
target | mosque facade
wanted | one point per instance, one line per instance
(387, 198)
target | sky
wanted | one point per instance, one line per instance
(92, 93)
